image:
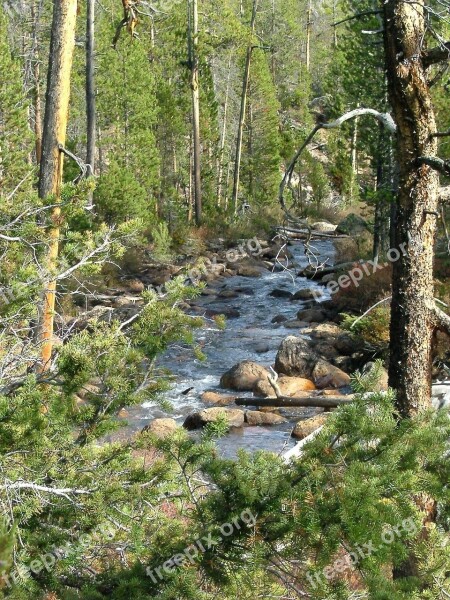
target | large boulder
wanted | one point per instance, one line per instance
(243, 376)
(161, 428)
(326, 375)
(289, 386)
(295, 358)
(234, 416)
(254, 418)
(352, 225)
(323, 227)
(309, 426)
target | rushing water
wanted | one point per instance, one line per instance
(251, 336)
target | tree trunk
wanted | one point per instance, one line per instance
(35, 13)
(55, 125)
(308, 36)
(240, 135)
(90, 88)
(193, 62)
(223, 136)
(412, 321)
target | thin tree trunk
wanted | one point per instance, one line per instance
(90, 88)
(223, 136)
(308, 36)
(55, 125)
(412, 322)
(248, 61)
(35, 13)
(193, 62)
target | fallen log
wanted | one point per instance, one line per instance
(313, 273)
(287, 402)
(307, 233)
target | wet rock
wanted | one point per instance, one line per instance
(327, 375)
(254, 418)
(295, 358)
(295, 324)
(277, 251)
(309, 426)
(235, 417)
(289, 386)
(243, 376)
(161, 428)
(279, 319)
(311, 315)
(280, 293)
(262, 348)
(248, 271)
(228, 294)
(217, 399)
(307, 294)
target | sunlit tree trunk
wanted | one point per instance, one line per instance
(240, 135)
(90, 87)
(54, 134)
(194, 66)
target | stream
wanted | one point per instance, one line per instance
(251, 336)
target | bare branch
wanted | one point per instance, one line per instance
(366, 13)
(436, 55)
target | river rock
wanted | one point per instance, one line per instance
(243, 376)
(161, 428)
(249, 271)
(261, 348)
(309, 426)
(324, 227)
(311, 315)
(253, 417)
(217, 399)
(327, 375)
(279, 319)
(295, 324)
(307, 294)
(228, 294)
(280, 293)
(197, 420)
(295, 358)
(289, 386)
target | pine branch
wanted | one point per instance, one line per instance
(436, 55)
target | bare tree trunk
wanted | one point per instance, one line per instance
(194, 66)
(240, 135)
(90, 88)
(223, 137)
(412, 323)
(35, 13)
(55, 125)
(308, 36)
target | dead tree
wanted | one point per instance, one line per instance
(54, 136)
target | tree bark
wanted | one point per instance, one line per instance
(55, 125)
(240, 134)
(35, 13)
(417, 205)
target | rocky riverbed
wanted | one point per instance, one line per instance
(272, 320)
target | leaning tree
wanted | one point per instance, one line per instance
(410, 69)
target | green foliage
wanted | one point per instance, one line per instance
(373, 329)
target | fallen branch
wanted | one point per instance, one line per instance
(287, 402)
